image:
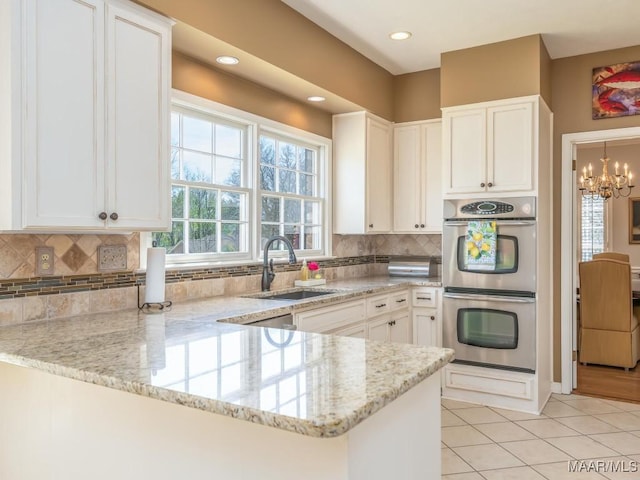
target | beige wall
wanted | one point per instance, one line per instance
(571, 80)
(194, 77)
(491, 72)
(417, 96)
(275, 33)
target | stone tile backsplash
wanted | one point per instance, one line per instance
(78, 287)
(73, 254)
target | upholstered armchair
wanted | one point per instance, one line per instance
(609, 332)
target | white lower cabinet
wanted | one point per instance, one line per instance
(383, 317)
(388, 318)
(333, 318)
(427, 317)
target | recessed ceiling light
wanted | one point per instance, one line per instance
(399, 35)
(316, 98)
(227, 60)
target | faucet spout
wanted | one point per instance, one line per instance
(267, 268)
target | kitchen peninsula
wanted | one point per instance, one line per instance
(104, 396)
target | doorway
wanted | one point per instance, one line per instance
(569, 237)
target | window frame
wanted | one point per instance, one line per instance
(322, 186)
(255, 125)
(607, 226)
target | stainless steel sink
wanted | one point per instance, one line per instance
(292, 295)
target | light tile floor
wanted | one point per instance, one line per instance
(486, 443)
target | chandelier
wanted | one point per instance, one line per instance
(606, 185)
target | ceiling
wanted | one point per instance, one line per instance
(568, 27)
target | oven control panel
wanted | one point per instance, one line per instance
(523, 208)
(486, 208)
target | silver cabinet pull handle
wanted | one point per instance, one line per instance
(381, 305)
(401, 300)
(423, 298)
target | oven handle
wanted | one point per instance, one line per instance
(517, 223)
(489, 298)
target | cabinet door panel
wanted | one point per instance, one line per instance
(378, 329)
(63, 136)
(378, 177)
(432, 173)
(401, 331)
(407, 215)
(464, 145)
(425, 327)
(138, 121)
(510, 148)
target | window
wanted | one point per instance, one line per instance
(593, 226)
(290, 200)
(237, 180)
(209, 197)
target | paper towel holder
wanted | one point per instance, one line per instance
(158, 307)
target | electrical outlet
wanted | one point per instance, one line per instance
(44, 261)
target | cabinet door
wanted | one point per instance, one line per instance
(355, 331)
(432, 177)
(464, 151)
(510, 147)
(400, 330)
(63, 72)
(378, 329)
(378, 174)
(138, 103)
(407, 177)
(425, 327)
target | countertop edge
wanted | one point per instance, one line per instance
(333, 427)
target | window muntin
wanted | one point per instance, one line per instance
(291, 201)
(593, 226)
(209, 195)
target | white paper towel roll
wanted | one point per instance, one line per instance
(154, 292)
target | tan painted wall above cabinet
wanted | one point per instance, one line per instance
(513, 68)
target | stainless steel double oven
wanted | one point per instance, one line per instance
(489, 314)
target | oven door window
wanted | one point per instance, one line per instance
(506, 256)
(488, 328)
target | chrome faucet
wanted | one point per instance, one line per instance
(267, 267)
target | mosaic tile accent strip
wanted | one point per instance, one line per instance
(51, 285)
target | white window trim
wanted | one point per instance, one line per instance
(255, 124)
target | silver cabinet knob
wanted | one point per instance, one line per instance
(416, 225)
(422, 225)
(102, 216)
(113, 216)
(482, 184)
(432, 317)
(371, 225)
(490, 185)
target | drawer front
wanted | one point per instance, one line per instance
(425, 297)
(378, 305)
(330, 318)
(399, 300)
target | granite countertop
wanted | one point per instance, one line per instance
(312, 384)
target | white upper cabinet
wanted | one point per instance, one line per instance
(89, 83)
(490, 147)
(362, 174)
(417, 177)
